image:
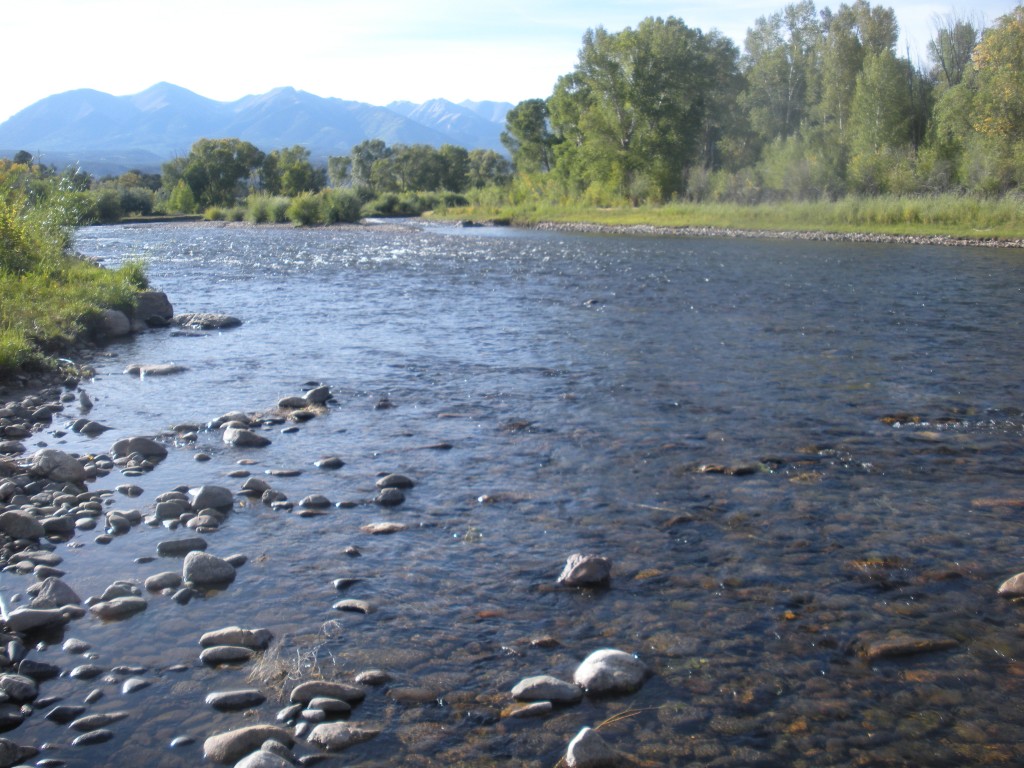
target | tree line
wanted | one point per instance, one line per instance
(819, 104)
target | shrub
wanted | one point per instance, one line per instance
(340, 206)
(304, 210)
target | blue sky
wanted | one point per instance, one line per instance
(376, 51)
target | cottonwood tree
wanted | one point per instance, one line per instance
(528, 137)
(951, 49)
(216, 170)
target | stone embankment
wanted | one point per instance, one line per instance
(766, 234)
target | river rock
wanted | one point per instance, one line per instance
(57, 465)
(264, 759)
(180, 547)
(585, 570)
(378, 529)
(1012, 587)
(211, 496)
(133, 684)
(312, 689)
(241, 437)
(395, 481)
(98, 736)
(18, 688)
(27, 619)
(150, 305)
(225, 654)
(10, 753)
(329, 462)
(154, 369)
(232, 746)
(589, 750)
(54, 593)
(257, 639)
(119, 607)
(898, 643)
(11, 447)
(204, 570)
(610, 671)
(165, 580)
(314, 501)
(318, 395)
(146, 446)
(92, 722)
(547, 688)
(229, 701)
(19, 524)
(335, 737)
(113, 323)
(65, 713)
(353, 606)
(205, 321)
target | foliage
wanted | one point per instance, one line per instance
(217, 171)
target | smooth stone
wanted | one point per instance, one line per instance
(373, 677)
(179, 547)
(338, 736)
(147, 446)
(18, 688)
(19, 524)
(93, 737)
(390, 497)
(165, 580)
(383, 528)
(585, 570)
(353, 606)
(38, 670)
(312, 689)
(95, 722)
(119, 607)
(133, 684)
(54, 593)
(65, 713)
(610, 671)
(205, 321)
(318, 395)
(232, 746)
(57, 465)
(330, 462)
(241, 437)
(901, 644)
(330, 705)
(27, 619)
(547, 688)
(228, 701)
(395, 481)
(75, 646)
(255, 486)
(257, 639)
(589, 750)
(154, 369)
(211, 496)
(534, 709)
(181, 741)
(86, 672)
(316, 501)
(225, 654)
(264, 759)
(204, 570)
(1012, 587)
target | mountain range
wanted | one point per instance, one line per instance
(107, 135)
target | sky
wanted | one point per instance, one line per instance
(374, 51)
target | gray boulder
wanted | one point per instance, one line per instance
(211, 497)
(257, 639)
(232, 746)
(585, 571)
(611, 671)
(335, 737)
(147, 446)
(19, 524)
(114, 323)
(153, 304)
(244, 438)
(204, 570)
(205, 321)
(54, 593)
(589, 750)
(57, 465)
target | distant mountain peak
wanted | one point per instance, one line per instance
(100, 131)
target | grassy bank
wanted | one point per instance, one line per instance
(946, 215)
(48, 296)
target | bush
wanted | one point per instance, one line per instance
(304, 210)
(338, 206)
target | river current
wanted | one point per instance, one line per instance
(789, 450)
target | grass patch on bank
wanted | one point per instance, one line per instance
(944, 215)
(48, 296)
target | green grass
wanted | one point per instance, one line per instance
(48, 297)
(940, 215)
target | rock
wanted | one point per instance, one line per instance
(585, 570)
(146, 446)
(589, 750)
(353, 606)
(180, 547)
(211, 497)
(19, 524)
(119, 607)
(330, 706)
(534, 709)
(18, 688)
(257, 639)
(329, 462)
(547, 688)
(113, 323)
(204, 570)
(306, 692)
(10, 753)
(225, 654)
(264, 759)
(65, 713)
(205, 321)
(232, 746)
(382, 528)
(395, 481)
(255, 486)
(373, 677)
(154, 369)
(54, 593)
(241, 437)
(610, 671)
(318, 396)
(57, 465)
(1012, 587)
(133, 684)
(390, 497)
(229, 701)
(900, 644)
(313, 501)
(86, 672)
(152, 304)
(165, 580)
(335, 737)
(11, 447)
(27, 619)
(93, 722)
(293, 401)
(93, 737)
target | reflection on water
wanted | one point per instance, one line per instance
(787, 449)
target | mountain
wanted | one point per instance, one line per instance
(107, 134)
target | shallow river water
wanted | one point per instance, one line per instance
(788, 450)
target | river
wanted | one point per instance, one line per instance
(787, 450)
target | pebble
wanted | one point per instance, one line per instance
(383, 528)
(86, 672)
(390, 497)
(179, 547)
(65, 713)
(95, 722)
(329, 462)
(306, 692)
(354, 606)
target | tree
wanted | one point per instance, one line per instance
(362, 159)
(951, 48)
(289, 172)
(527, 136)
(488, 168)
(999, 63)
(455, 168)
(217, 169)
(637, 109)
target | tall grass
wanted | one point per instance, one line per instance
(48, 297)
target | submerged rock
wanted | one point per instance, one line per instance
(204, 570)
(547, 688)
(335, 737)
(205, 321)
(257, 639)
(586, 570)
(589, 750)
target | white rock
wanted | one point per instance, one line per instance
(232, 746)
(610, 671)
(589, 750)
(338, 736)
(547, 688)
(257, 639)
(244, 438)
